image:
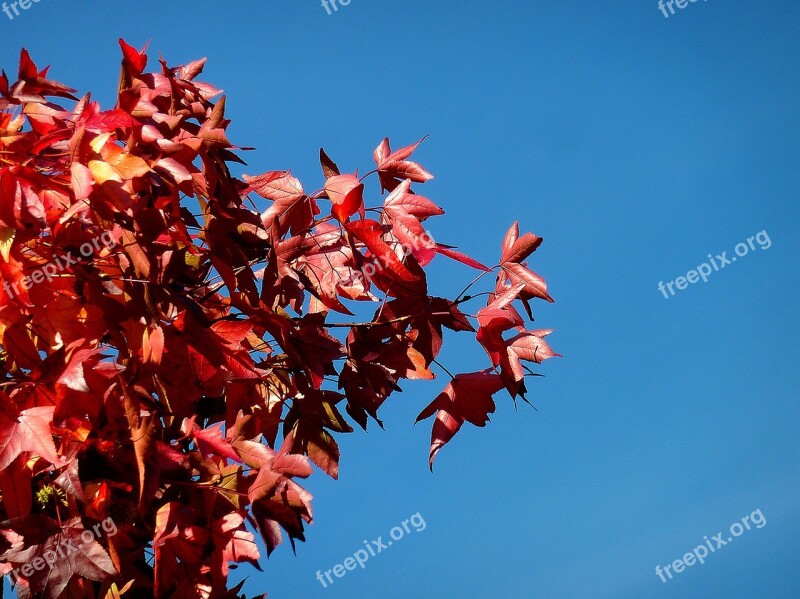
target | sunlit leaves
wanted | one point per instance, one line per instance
(178, 347)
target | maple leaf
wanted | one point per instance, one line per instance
(134, 60)
(292, 210)
(210, 440)
(497, 318)
(35, 82)
(394, 168)
(494, 320)
(26, 431)
(232, 543)
(109, 120)
(310, 415)
(467, 398)
(63, 548)
(371, 234)
(460, 257)
(347, 194)
(515, 250)
(402, 201)
(406, 212)
(531, 346)
(82, 180)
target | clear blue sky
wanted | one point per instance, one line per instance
(635, 145)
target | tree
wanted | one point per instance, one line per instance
(179, 345)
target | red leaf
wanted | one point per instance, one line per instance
(292, 210)
(393, 167)
(405, 169)
(133, 58)
(410, 232)
(516, 248)
(110, 120)
(370, 233)
(468, 397)
(530, 346)
(535, 286)
(82, 180)
(65, 550)
(401, 200)
(347, 194)
(233, 543)
(211, 440)
(25, 431)
(329, 167)
(153, 345)
(463, 258)
(27, 68)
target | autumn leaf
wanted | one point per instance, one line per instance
(347, 194)
(291, 209)
(68, 550)
(233, 543)
(210, 441)
(467, 398)
(394, 167)
(26, 431)
(515, 250)
(371, 234)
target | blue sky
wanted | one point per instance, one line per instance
(635, 145)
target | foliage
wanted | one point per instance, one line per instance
(177, 377)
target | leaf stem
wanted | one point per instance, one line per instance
(468, 287)
(440, 365)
